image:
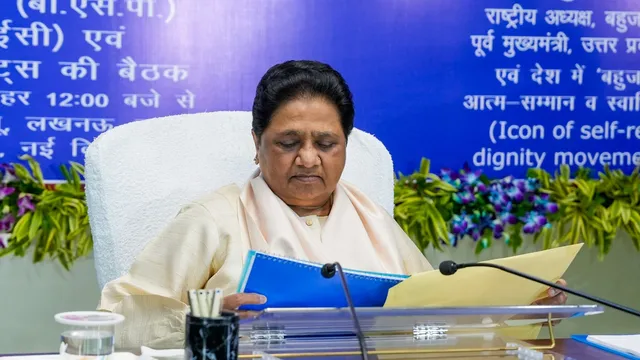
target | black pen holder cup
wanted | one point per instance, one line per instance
(215, 338)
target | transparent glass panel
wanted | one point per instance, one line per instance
(412, 332)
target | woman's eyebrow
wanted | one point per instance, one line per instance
(289, 132)
(323, 134)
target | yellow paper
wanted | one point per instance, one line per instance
(486, 286)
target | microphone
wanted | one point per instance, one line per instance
(449, 268)
(328, 271)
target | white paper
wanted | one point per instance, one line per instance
(114, 356)
(32, 357)
(147, 353)
(629, 344)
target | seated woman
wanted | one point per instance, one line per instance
(295, 206)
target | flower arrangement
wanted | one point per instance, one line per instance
(500, 209)
(50, 220)
(436, 210)
(591, 209)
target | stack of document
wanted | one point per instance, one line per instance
(294, 283)
(290, 283)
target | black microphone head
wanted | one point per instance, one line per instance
(328, 270)
(448, 267)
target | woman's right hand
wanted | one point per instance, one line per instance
(233, 302)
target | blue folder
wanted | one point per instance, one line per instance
(289, 283)
(583, 339)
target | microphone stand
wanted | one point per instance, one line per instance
(450, 267)
(328, 271)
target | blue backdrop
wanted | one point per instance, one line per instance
(503, 85)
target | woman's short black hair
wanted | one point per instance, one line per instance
(296, 79)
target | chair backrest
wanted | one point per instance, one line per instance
(138, 176)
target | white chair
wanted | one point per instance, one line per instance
(138, 176)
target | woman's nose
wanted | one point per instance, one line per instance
(308, 157)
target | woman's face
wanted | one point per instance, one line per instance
(302, 151)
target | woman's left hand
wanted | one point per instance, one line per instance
(554, 296)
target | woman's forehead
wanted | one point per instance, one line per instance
(305, 116)
(314, 133)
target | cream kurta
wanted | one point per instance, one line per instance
(206, 244)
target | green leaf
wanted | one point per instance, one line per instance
(38, 251)
(35, 168)
(54, 218)
(76, 178)
(35, 224)
(79, 168)
(22, 173)
(424, 166)
(64, 259)
(625, 214)
(587, 188)
(50, 240)
(65, 173)
(21, 229)
(479, 247)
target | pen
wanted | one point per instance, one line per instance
(202, 303)
(216, 304)
(209, 294)
(193, 303)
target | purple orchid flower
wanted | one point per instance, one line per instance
(8, 173)
(538, 200)
(542, 203)
(471, 178)
(509, 218)
(529, 228)
(551, 207)
(515, 194)
(497, 197)
(459, 225)
(498, 226)
(464, 197)
(507, 181)
(532, 184)
(483, 219)
(481, 188)
(25, 203)
(448, 175)
(520, 184)
(506, 215)
(465, 168)
(533, 222)
(4, 240)
(475, 234)
(8, 167)
(7, 223)
(6, 191)
(453, 240)
(530, 197)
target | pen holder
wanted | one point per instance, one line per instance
(212, 338)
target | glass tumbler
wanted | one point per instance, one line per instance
(87, 334)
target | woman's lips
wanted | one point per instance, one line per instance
(307, 178)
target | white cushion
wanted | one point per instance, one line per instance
(139, 175)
